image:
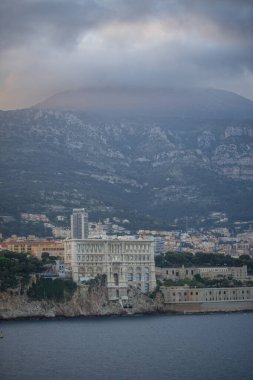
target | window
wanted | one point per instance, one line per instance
(130, 276)
(116, 279)
(146, 274)
(138, 276)
(146, 288)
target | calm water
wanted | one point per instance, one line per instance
(148, 347)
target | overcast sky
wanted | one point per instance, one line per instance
(47, 46)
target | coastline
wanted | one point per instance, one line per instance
(136, 315)
(94, 303)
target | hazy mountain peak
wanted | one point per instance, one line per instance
(153, 102)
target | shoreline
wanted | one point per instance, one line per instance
(94, 303)
(123, 315)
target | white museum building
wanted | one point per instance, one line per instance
(125, 263)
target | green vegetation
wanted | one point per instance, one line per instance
(99, 280)
(173, 259)
(48, 289)
(23, 228)
(16, 268)
(47, 259)
(45, 182)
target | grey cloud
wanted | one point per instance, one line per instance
(55, 21)
(211, 44)
(63, 21)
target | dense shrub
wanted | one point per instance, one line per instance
(175, 259)
(16, 268)
(48, 289)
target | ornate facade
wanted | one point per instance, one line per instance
(124, 262)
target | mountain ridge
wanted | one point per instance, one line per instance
(165, 102)
(153, 171)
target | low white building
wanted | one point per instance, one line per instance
(125, 263)
(182, 273)
(185, 294)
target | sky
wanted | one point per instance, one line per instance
(49, 46)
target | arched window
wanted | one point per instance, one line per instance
(138, 276)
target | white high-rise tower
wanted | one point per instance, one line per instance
(79, 224)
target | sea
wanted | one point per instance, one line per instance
(192, 347)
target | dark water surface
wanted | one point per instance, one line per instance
(217, 346)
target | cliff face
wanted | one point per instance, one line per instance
(85, 302)
(94, 302)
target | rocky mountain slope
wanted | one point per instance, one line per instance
(149, 167)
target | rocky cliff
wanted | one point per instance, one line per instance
(85, 302)
(94, 302)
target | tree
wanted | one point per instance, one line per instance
(45, 257)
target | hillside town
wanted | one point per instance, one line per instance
(144, 261)
(216, 240)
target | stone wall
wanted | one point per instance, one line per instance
(197, 300)
(210, 307)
